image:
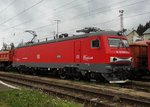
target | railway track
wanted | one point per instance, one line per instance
(95, 96)
(138, 85)
(146, 78)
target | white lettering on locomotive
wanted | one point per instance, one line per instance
(122, 52)
(25, 58)
(38, 56)
(17, 59)
(58, 56)
(77, 56)
(87, 58)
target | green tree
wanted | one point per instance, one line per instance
(142, 28)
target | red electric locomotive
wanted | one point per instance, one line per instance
(103, 54)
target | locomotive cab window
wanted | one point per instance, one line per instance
(95, 43)
(117, 42)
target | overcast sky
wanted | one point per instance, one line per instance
(16, 16)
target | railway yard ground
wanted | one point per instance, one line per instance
(3, 87)
(21, 97)
(30, 98)
(132, 94)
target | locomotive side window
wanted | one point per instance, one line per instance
(95, 43)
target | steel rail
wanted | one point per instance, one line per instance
(138, 85)
(96, 96)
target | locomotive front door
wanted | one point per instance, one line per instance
(77, 51)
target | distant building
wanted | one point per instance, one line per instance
(146, 34)
(133, 37)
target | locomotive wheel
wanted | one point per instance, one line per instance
(62, 74)
(34, 73)
(77, 76)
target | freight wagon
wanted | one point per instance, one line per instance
(140, 63)
(6, 58)
(149, 56)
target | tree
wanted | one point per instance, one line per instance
(12, 46)
(141, 29)
(147, 25)
(5, 46)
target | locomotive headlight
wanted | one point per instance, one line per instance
(116, 59)
(113, 59)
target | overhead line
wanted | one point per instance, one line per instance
(65, 4)
(55, 12)
(70, 18)
(104, 10)
(96, 13)
(43, 26)
(108, 21)
(21, 12)
(39, 16)
(137, 15)
(111, 5)
(100, 12)
(7, 6)
(115, 19)
(69, 8)
(59, 7)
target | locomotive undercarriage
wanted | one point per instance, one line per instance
(64, 73)
(77, 74)
(117, 73)
(112, 73)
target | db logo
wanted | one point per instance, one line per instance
(87, 58)
(77, 56)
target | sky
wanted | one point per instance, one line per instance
(17, 16)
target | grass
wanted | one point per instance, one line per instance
(29, 98)
(3, 104)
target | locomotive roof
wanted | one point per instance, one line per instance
(99, 33)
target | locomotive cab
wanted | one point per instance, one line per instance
(118, 59)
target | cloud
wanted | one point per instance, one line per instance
(74, 14)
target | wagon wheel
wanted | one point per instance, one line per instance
(62, 74)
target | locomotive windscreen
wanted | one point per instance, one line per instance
(116, 42)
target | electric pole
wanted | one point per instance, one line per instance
(57, 27)
(121, 20)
